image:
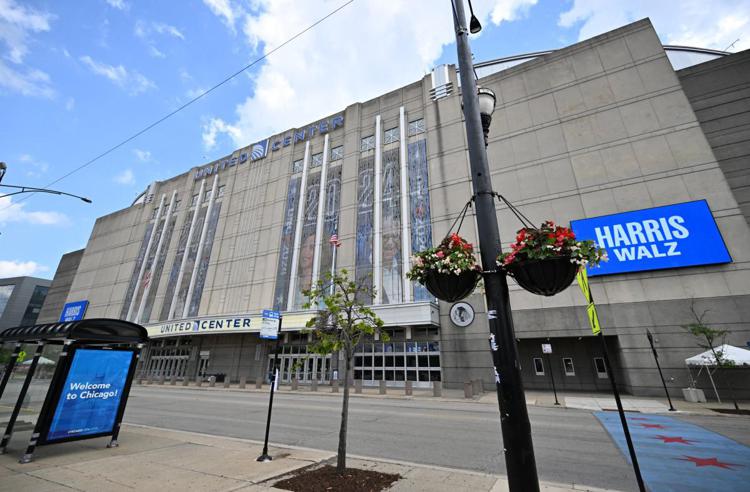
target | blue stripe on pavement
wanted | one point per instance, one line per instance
(675, 456)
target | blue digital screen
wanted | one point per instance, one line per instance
(74, 311)
(91, 395)
(680, 235)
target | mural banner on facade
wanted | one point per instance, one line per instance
(364, 238)
(287, 243)
(391, 229)
(154, 272)
(175, 272)
(200, 281)
(330, 219)
(307, 241)
(192, 252)
(136, 268)
(419, 204)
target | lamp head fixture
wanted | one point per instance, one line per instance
(3, 168)
(487, 100)
(474, 25)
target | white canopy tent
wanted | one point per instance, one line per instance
(43, 361)
(706, 360)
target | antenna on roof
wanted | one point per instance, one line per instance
(728, 47)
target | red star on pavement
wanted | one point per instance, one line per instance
(652, 426)
(675, 439)
(708, 462)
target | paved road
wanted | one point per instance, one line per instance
(570, 445)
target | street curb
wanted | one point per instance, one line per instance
(573, 486)
(313, 393)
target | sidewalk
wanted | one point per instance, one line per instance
(164, 460)
(579, 400)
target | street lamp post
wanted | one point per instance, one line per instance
(514, 419)
(30, 189)
(658, 366)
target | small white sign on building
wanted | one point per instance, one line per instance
(546, 348)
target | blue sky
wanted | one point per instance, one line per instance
(78, 77)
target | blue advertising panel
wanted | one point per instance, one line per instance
(90, 398)
(74, 311)
(672, 236)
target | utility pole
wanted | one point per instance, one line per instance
(514, 419)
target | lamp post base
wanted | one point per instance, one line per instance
(264, 458)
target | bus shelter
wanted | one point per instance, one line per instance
(87, 369)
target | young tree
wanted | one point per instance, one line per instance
(341, 322)
(712, 337)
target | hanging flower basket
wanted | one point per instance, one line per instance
(450, 287)
(450, 271)
(545, 261)
(544, 277)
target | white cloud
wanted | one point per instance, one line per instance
(154, 51)
(216, 126)
(27, 82)
(715, 24)
(118, 4)
(15, 212)
(70, 103)
(32, 166)
(227, 10)
(15, 268)
(343, 60)
(17, 24)
(125, 178)
(131, 81)
(142, 155)
(144, 29)
(162, 28)
(510, 10)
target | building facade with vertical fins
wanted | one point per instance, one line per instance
(602, 128)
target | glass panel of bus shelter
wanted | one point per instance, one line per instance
(32, 403)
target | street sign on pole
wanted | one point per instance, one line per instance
(273, 317)
(269, 327)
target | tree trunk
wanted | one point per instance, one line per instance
(341, 458)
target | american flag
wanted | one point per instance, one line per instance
(335, 240)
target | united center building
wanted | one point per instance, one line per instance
(599, 129)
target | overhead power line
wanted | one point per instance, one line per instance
(199, 96)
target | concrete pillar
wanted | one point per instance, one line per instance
(295, 384)
(149, 379)
(198, 381)
(226, 382)
(408, 388)
(437, 388)
(358, 386)
(468, 390)
(382, 387)
(161, 379)
(185, 381)
(172, 380)
(243, 382)
(335, 386)
(259, 382)
(211, 381)
(314, 385)
(477, 386)
(139, 381)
